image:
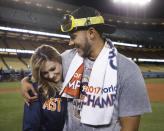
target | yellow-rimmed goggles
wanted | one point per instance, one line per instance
(70, 23)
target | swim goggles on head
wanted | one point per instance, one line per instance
(70, 23)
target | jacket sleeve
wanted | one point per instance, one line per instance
(32, 116)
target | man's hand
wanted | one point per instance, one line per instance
(26, 87)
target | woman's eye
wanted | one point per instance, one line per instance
(45, 74)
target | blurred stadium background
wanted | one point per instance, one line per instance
(27, 24)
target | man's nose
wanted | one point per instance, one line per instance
(71, 42)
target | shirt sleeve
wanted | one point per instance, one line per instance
(32, 116)
(133, 97)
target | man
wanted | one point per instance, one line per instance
(106, 91)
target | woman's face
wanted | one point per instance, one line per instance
(51, 71)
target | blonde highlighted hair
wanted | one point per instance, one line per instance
(41, 55)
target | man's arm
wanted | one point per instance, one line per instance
(130, 123)
(26, 87)
(133, 97)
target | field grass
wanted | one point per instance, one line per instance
(11, 108)
(9, 84)
(154, 80)
(153, 121)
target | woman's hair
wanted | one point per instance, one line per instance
(41, 55)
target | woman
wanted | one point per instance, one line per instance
(48, 112)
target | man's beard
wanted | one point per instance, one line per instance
(86, 50)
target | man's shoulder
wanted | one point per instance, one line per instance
(126, 65)
(124, 61)
(68, 53)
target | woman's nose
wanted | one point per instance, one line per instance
(51, 75)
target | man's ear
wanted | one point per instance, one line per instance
(92, 33)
